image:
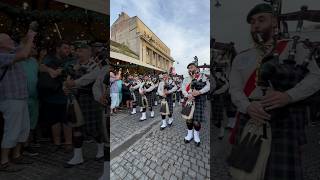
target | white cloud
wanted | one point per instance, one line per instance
(184, 26)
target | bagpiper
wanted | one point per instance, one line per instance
(194, 89)
(259, 101)
(85, 72)
(165, 90)
(135, 93)
(155, 81)
(101, 93)
(145, 90)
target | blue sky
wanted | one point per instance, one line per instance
(184, 26)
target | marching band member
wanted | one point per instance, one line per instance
(136, 96)
(154, 92)
(86, 72)
(174, 94)
(219, 113)
(166, 89)
(281, 109)
(194, 88)
(147, 99)
(178, 95)
(101, 92)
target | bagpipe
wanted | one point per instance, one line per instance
(102, 54)
(223, 53)
(147, 84)
(286, 75)
(74, 113)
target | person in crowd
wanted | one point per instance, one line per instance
(114, 92)
(127, 95)
(54, 101)
(31, 69)
(120, 94)
(14, 100)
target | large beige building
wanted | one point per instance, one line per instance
(133, 33)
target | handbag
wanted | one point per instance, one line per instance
(188, 110)
(164, 108)
(249, 156)
(74, 113)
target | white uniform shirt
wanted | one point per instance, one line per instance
(244, 65)
(188, 80)
(161, 88)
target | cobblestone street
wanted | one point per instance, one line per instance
(160, 154)
(145, 152)
(48, 165)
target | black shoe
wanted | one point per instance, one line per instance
(67, 165)
(187, 141)
(162, 128)
(197, 144)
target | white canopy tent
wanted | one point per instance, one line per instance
(101, 6)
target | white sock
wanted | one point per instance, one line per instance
(189, 135)
(196, 136)
(164, 123)
(100, 152)
(77, 156)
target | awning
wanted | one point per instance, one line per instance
(129, 59)
(101, 6)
